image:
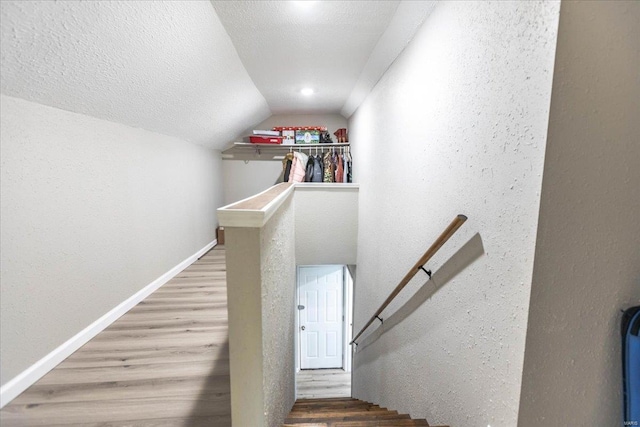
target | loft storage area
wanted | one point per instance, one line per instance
(291, 135)
(123, 151)
(288, 148)
(252, 151)
(273, 144)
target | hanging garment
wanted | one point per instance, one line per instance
(349, 165)
(334, 165)
(286, 166)
(329, 168)
(345, 175)
(298, 167)
(293, 166)
(308, 173)
(318, 170)
(340, 170)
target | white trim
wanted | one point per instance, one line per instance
(29, 376)
(257, 218)
(326, 186)
(273, 206)
(240, 218)
(227, 207)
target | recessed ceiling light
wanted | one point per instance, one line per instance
(307, 91)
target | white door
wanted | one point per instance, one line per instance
(320, 307)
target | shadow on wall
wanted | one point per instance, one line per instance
(464, 257)
(213, 406)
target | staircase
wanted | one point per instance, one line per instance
(345, 412)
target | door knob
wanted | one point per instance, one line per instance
(302, 328)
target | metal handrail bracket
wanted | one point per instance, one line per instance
(440, 241)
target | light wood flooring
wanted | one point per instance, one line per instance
(321, 383)
(164, 363)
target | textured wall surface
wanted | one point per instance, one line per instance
(245, 325)
(278, 267)
(242, 180)
(456, 125)
(326, 225)
(587, 260)
(407, 19)
(261, 278)
(168, 67)
(91, 211)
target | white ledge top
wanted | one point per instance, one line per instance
(256, 210)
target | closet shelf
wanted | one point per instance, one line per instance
(248, 151)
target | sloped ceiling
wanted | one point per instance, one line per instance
(168, 67)
(338, 48)
(199, 70)
(288, 45)
(408, 17)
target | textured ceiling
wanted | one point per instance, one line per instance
(288, 45)
(168, 67)
(200, 72)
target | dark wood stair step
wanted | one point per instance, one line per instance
(346, 412)
(323, 419)
(367, 423)
(318, 406)
(327, 400)
(383, 423)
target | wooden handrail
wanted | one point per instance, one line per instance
(441, 240)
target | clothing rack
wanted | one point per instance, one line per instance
(330, 163)
(313, 148)
(269, 152)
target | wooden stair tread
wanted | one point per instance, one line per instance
(382, 423)
(328, 399)
(339, 411)
(346, 412)
(325, 419)
(332, 405)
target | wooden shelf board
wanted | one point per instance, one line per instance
(249, 151)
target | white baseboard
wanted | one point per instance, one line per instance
(28, 377)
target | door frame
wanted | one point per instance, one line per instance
(345, 317)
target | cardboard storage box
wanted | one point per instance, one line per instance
(289, 136)
(307, 136)
(259, 139)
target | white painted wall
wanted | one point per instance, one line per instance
(91, 211)
(348, 319)
(407, 19)
(242, 180)
(587, 260)
(278, 271)
(456, 125)
(261, 292)
(244, 302)
(326, 224)
(261, 287)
